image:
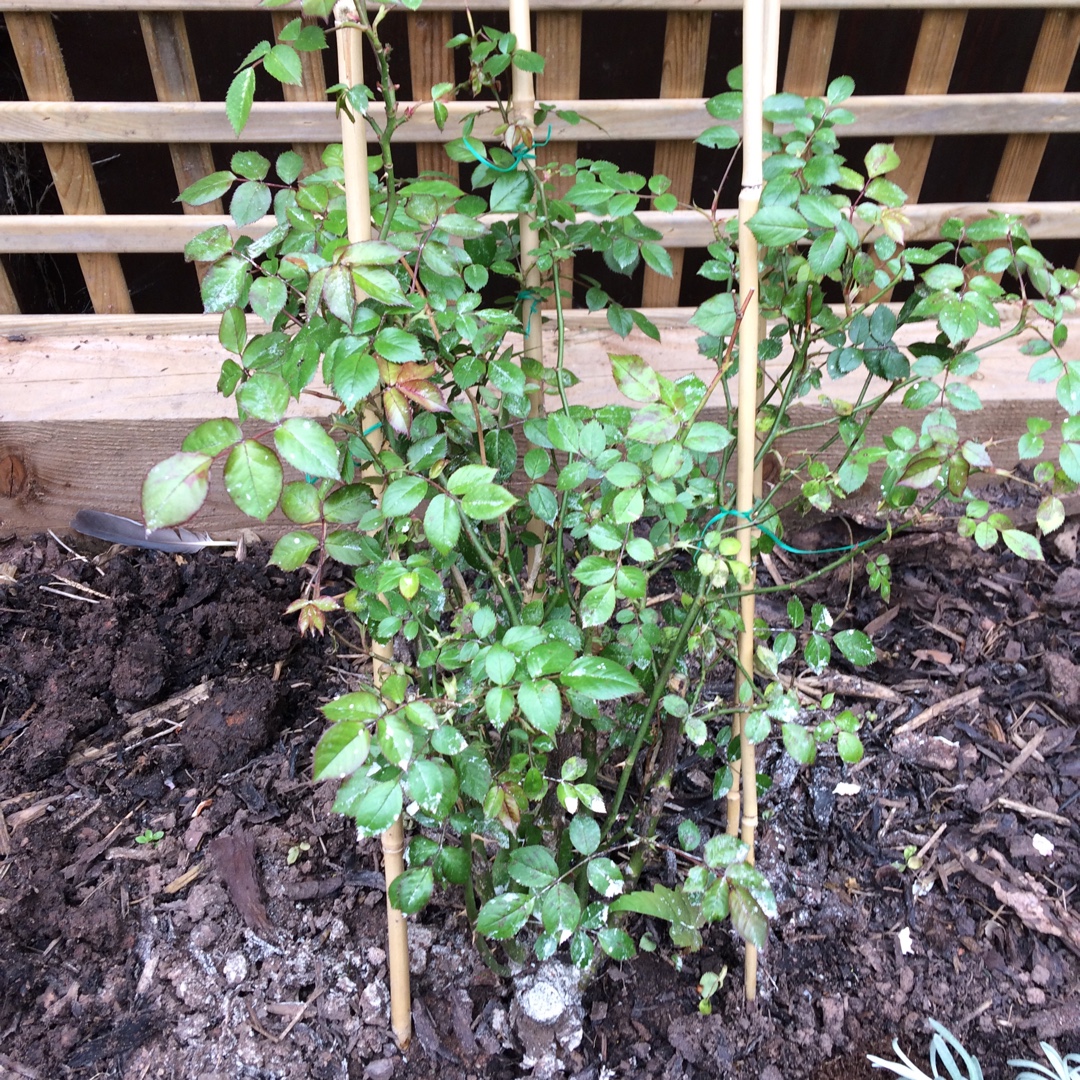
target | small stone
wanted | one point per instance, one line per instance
(1040, 975)
(235, 968)
(907, 980)
(1035, 995)
(381, 1069)
(376, 956)
(373, 1001)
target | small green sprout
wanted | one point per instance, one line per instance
(296, 850)
(711, 981)
(149, 836)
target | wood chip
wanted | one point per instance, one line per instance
(234, 858)
(183, 881)
(957, 701)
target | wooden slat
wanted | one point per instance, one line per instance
(686, 52)
(431, 62)
(813, 35)
(931, 72)
(1050, 68)
(558, 40)
(9, 304)
(169, 52)
(312, 89)
(45, 79)
(646, 119)
(126, 402)
(537, 5)
(56, 233)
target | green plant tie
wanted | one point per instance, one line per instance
(521, 152)
(747, 516)
(534, 307)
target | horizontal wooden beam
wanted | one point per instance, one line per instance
(627, 119)
(87, 412)
(129, 233)
(544, 5)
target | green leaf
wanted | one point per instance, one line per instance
(253, 479)
(212, 437)
(599, 678)
(584, 833)
(500, 665)
(880, 159)
(264, 396)
(250, 201)
(944, 276)
(442, 523)
(778, 226)
(747, 917)
(499, 706)
(654, 423)
(487, 502)
(840, 89)
(341, 750)
(634, 378)
(560, 910)
(799, 743)
(292, 551)
(207, 190)
(226, 284)
(398, 346)
(1069, 459)
(433, 785)
(716, 317)
(529, 61)
(283, 63)
(375, 806)
(359, 705)
(403, 496)
(1023, 544)
(616, 942)
(267, 297)
(541, 704)
(856, 646)
(605, 877)
(380, 285)
(307, 447)
(532, 866)
(827, 253)
(707, 437)
(510, 193)
(355, 375)
(239, 98)
(503, 916)
(598, 605)
(175, 488)
(209, 245)
(411, 890)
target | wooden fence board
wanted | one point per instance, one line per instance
(9, 305)
(627, 119)
(686, 52)
(1051, 65)
(543, 5)
(431, 62)
(813, 35)
(84, 393)
(57, 233)
(45, 79)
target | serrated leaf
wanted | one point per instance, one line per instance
(375, 806)
(856, 646)
(532, 866)
(306, 446)
(778, 226)
(403, 496)
(503, 916)
(341, 750)
(560, 910)
(253, 479)
(292, 551)
(599, 678)
(283, 63)
(487, 502)
(434, 785)
(442, 523)
(239, 98)
(207, 190)
(212, 437)
(175, 488)
(411, 890)
(634, 378)
(1023, 544)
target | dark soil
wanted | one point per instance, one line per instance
(144, 691)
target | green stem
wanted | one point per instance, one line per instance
(489, 564)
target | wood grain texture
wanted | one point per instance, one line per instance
(940, 33)
(313, 88)
(431, 62)
(37, 51)
(9, 304)
(686, 52)
(1051, 66)
(284, 122)
(125, 402)
(57, 233)
(813, 35)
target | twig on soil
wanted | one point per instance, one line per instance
(68, 595)
(1016, 765)
(968, 697)
(1030, 811)
(78, 554)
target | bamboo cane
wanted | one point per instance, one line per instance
(358, 212)
(754, 60)
(522, 106)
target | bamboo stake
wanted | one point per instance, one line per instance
(358, 212)
(522, 107)
(754, 61)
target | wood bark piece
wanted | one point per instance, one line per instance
(431, 62)
(686, 52)
(234, 859)
(313, 88)
(45, 79)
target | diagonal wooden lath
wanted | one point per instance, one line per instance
(431, 62)
(686, 52)
(44, 76)
(313, 88)
(813, 35)
(1051, 65)
(9, 305)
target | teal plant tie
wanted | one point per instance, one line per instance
(534, 307)
(748, 517)
(521, 153)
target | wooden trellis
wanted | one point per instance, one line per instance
(68, 379)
